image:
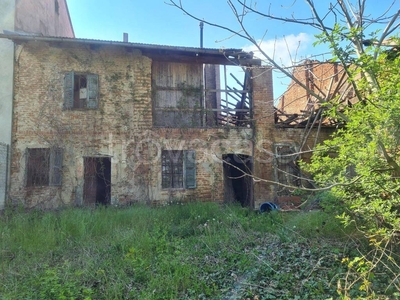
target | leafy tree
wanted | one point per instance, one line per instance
(360, 165)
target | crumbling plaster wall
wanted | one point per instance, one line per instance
(120, 128)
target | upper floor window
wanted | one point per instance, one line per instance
(43, 166)
(197, 95)
(177, 94)
(81, 91)
(56, 7)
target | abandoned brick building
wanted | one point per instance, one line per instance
(118, 122)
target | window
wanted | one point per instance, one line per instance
(195, 95)
(287, 171)
(177, 94)
(178, 169)
(43, 166)
(81, 91)
(56, 7)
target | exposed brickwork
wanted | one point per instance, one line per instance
(121, 128)
(320, 77)
(267, 135)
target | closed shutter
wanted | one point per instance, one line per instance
(69, 90)
(190, 169)
(56, 160)
(26, 154)
(93, 90)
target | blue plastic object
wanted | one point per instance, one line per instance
(268, 207)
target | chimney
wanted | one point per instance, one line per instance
(201, 33)
(126, 39)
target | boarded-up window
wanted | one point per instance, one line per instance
(178, 169)
(177, 94)
(287, 171)
(81, 91)
(44, 166)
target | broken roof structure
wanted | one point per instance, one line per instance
(324, 82)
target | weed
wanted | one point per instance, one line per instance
(185, 251)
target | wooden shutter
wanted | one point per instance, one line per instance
(177, 94)
(56, 160)
(26, 154)
(190, 169)
(93, 90)
(69, 90)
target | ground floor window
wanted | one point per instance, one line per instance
(43, 166)
(178, 169)
(287, 171)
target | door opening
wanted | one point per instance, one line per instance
(238, 183)
(97, 180)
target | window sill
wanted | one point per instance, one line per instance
(32, 187)
(79, 109)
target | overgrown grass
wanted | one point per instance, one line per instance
(189, 251)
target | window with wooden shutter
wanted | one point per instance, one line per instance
(81, 91)
(43, 166)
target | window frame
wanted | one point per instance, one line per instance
(180, 163)
(71, 91)
(189, 95)
(177, 94)
(287, 165)
(51, 171)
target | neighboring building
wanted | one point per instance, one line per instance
(327, 80)
(117, 122)
(44, 17)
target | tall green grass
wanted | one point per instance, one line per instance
(188, 251)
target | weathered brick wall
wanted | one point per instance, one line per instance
(264, 134)
(3, 172)
(318, 76)
(120, 128)
(267, 134)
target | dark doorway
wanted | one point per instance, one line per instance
(97, 180)
(238, 183)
